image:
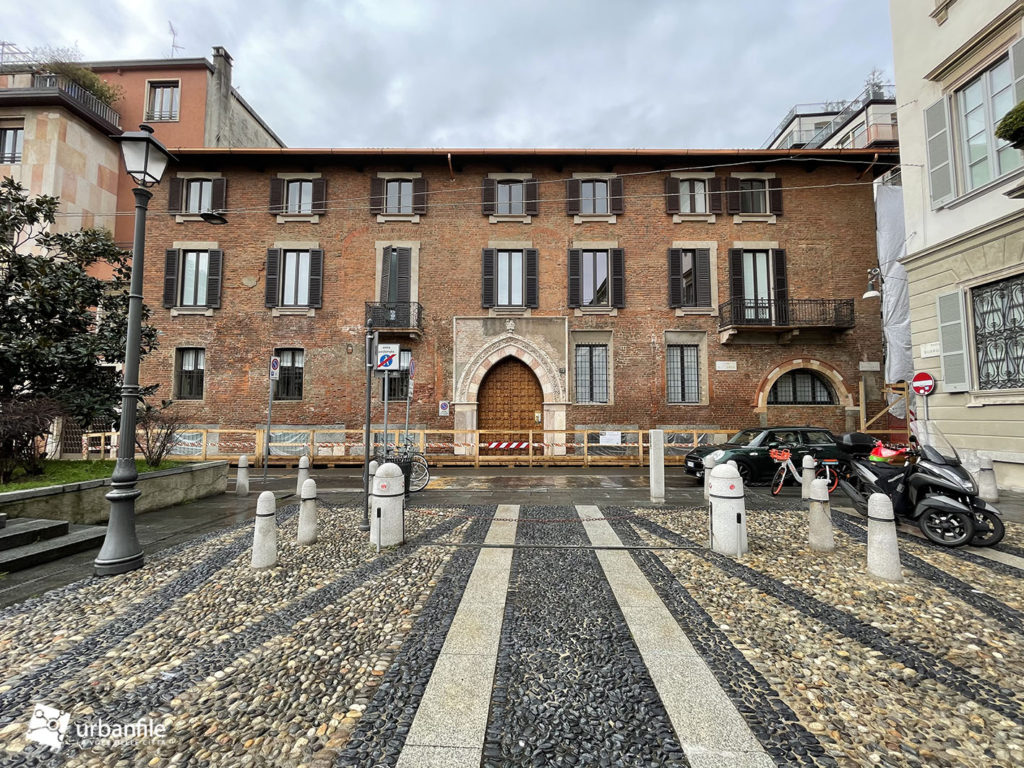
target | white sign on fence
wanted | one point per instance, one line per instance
(609, 438)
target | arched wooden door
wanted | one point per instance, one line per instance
(509, 399)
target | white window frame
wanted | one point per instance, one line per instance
(295, 266)
(200, 278)
(163, 84)
(398, 176)
(993, 144)
(499, 178)
(705, 176)
(285, 216)
(608, 216)
(768, 217)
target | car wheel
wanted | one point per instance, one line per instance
(746, 472)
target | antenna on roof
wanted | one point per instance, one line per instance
(174, 40)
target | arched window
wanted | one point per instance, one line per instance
(801, 387)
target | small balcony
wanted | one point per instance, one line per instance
(78, 95)
(746, 319)
(396, 317)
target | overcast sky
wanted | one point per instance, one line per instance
(479, 73)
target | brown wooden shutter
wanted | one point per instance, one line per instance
(736, 282)
(532, 283)
(732, 195)
(277, 196)
(376, 195)
(702, 276)
(419, 195)
(172, 256)
(316, 278)
(174, 194)
(675, 275)
(214, 278)
(672, 196)
(575, 276)
(775, 196)
(319, 196)
(219, 194)
(273, 268)
(573, 190)
(404, 276)
(618, 257)
(532, 195)
(781, 289)
(715, 195)
(616, 201)
(490, 196)
(385, 276)
(487, 288)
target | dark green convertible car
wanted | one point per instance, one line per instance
(749, 449)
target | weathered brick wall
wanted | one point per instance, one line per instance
(828, 233)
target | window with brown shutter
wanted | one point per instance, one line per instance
(273, 265)
(487, 277)
(419, 196)
(532, 198)
(490, 196)
(174, 193)
(193, 278)
(671, 195)
(277, 196)
(376, 195)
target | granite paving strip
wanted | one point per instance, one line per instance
(710, 729)
(1001, 700)
(571, 687)
(450, 722)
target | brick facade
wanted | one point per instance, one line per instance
(827, 230)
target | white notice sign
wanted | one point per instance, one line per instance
(725, 365)
(931, 349)
(609, 438)
(442, 408)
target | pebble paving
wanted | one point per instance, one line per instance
(570, 686)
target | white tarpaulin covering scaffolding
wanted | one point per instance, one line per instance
(892, 246)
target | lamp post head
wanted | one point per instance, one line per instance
(874, 290)
(213, 217)
(145, 158)
(871, 293)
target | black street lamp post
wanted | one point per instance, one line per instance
(145, 159)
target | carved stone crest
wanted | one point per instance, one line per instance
(510, 326)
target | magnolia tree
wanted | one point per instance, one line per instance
(62, 330)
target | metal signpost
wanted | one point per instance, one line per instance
(408, 397)
(371, 345)
(275, 374)
(387, 361)
(923, 384)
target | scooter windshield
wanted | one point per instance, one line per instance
(933, 445)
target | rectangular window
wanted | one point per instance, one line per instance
(689, 278)
(398, 196)
(198, 195)
(11, 140)
(753, 196)
(398, 381)
(295, 278)
(693, 196)
(591, 373)
(289, 385)
(510, 278)
(164, 101)
(195, 271)
(191, 365)
(683, 373)
(999, 333)
(298, 196)
(594, 197)
(981, 105)
(510, 198)
(595, 279)
(756, 286)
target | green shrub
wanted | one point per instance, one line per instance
(1011, 127)
(106, 92)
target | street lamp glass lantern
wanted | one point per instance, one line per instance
(145, 158)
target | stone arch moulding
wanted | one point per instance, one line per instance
(835, 378)
(515, 346)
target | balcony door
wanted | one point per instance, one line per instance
(395, 286)
(760, 294)
(757, 285)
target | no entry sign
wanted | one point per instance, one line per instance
(387, 357)
(923, 383)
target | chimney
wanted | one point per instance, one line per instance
(218, 100)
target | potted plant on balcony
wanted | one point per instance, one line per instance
(1011, 127)
(108, 93)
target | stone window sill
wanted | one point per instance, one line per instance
(203, 311)
(588, 402)
(679, 218)
(410, 217)
(583, 218)
(684, 311)
(293, 312)
(498, 218)
(183, 217)
(981, 398)
(610, 311)
(765, 218)
(284, 218)
(510, 312)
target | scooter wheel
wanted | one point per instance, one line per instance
(988, 529)
(950, 529)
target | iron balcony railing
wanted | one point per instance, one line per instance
(79, 94)
(793, 313)
(816, 108)
(874, 92)
(392, 314)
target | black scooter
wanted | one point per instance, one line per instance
(932, 490)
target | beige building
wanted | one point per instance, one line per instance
(959, 67)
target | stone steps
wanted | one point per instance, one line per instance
(43, 549)
(26, 530)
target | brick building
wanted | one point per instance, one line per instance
(554, 289)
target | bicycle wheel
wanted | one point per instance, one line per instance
(830, 475)
(779, 480)
(419, 474)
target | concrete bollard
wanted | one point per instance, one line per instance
(387, 523)
(242, 481)
(987, 488)
(728, 512)
(807, 476)
(883, 550)
(303, 475)
(307, 514)
(657, 458)
(709, 464)
(820, 535)
(264, 538)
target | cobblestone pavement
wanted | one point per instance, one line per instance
(324, 659)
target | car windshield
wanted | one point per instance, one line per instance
(745, 437)
(932, 444)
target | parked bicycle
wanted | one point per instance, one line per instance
(419, 470)
(827, 469)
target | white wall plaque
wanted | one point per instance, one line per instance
(870, 365)
(931, 349)
(609, 438)
(725, 365)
